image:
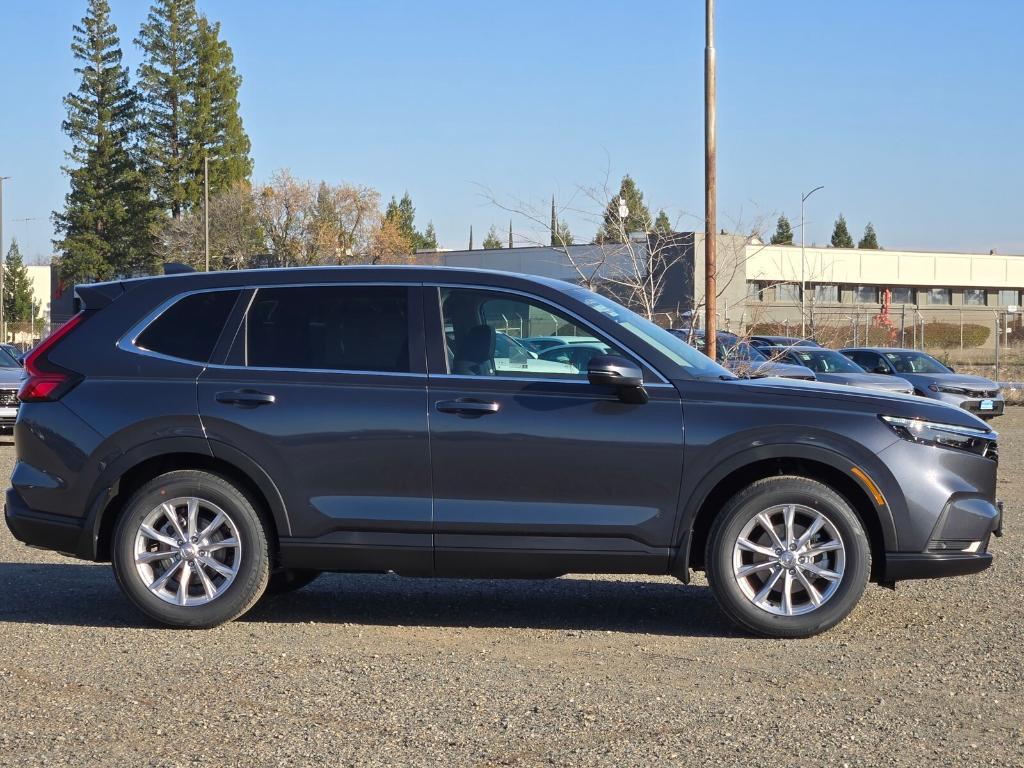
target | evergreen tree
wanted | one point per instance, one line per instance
(470, 237)
(108, 222)
(19, 305)
(870, 239)
(510, 233)
(662, 225)
(428, 241)
(560, 234)
(783, 232)
(841, 235)
(492, 241)
(402, 214)
(167, 81)
(638, 219)
(215, 128)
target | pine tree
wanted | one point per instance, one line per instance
(638, 218)
(215, 128)
(841, 235)
(662, 225)
(492, 241)
(470, 237)
(108, 220)
(167, 80)
(510, 233)
(870, 239)
(783, 232)
(19, 304)
(428, 241)
(560, 234)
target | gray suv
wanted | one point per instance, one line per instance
(930, 378)
(217, 436)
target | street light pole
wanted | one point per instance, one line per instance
(3, 327)
(803, 263)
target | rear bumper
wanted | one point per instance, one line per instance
(38, 529)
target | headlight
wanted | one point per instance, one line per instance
(948, 389)
(973, 439)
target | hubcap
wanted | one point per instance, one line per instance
(789, 559)
(187, 551)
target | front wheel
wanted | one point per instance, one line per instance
(190, 550)
(787, 557)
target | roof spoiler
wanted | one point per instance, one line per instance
(96, 295)
(177, 268)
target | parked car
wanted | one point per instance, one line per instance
(781, 341)
(576, 355)
(829, 365)
(13, 351)
(511, 355)
(11, 375)
(214, 433)
(540, 343)
(744, 360)
(930, 378)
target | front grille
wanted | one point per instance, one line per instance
(8, 398)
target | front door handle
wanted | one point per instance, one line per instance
(467, 407)
(246, 398)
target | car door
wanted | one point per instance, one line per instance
(536, 471)
(324, 388)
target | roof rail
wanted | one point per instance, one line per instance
(176, 268)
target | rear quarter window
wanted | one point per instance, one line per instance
(190, 327)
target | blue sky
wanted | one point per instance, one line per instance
(910, 113)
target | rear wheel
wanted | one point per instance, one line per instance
(190, 550)
(788, 557)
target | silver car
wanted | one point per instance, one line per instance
(11, 375)
(835, 368)
(930, 378)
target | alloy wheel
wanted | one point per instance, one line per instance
(187, 551)
(789, 559)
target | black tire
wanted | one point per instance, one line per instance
(254, 563)
(289, 580)
(765, 495)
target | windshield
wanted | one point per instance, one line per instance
(7, 361)
(915, 362)
(672, 347)
(824, 361)
(738, 350)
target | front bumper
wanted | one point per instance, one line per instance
(39, 529)
(972, 404)
(968, 521)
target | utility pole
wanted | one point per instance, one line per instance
(3, 326)
(206, 208)
(803, 281)
(710, 187)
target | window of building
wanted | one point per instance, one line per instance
(1009, 297)
(939, 296)
(865, 294)
(787, 292)
(975, 297)
(338, 327)
(826, 293)
(754, 290)
(901, 294)
(189, 329)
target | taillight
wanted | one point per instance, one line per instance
(46, 380)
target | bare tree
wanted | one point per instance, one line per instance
(235, 232)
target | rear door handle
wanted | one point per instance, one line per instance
(246, 398)
(467, 407)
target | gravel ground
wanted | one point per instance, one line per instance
(384, 671)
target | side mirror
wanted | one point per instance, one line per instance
(614, 371)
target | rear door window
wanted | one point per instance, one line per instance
(189, 328)
(330, 328)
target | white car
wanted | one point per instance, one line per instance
(511, 355)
